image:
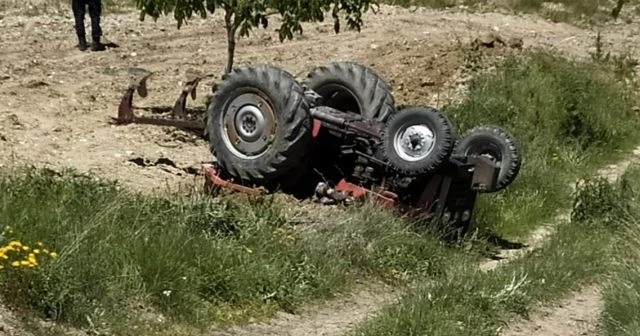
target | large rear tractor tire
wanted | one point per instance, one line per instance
(353, 87)
(259, 125)
(417, 140)
(498, 143)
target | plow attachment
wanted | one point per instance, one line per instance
(138, 83)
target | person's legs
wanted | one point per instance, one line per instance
(78, 7)
(95, 11)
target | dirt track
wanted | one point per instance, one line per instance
(58, 101)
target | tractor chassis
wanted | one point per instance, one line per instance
(448, 195)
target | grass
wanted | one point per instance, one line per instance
(572, 11)
(570, 116)
(167, 263)
(470, 301)
(621, 294)
(196, 261)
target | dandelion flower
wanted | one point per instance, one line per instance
(15, 244)
(24, 262)
(26, 248)
(15, 264)
(36, 251)
(53, 255)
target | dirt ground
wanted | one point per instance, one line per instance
(58, 101)
(577, 315)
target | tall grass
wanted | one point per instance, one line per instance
(621, 291)
(197, 261)
(570, 117)
(472, 302)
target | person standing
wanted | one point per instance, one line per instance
(79, 8)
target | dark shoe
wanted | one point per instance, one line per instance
(82, 45)
(97, 46)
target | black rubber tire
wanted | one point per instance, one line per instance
(500, 144)
(454, 131)
(359, 89)
(437, 123)
(291, 139)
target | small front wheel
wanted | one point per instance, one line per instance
(497, 143)
(417, 140)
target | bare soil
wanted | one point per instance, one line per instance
(330, 318)
(58, 101)
(577, 315)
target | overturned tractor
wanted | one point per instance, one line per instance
(338, 136)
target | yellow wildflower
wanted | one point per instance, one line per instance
(15, 244)
(3, 256)
(24, 263)
(248, 250)
(36, 251)
(32, 258)
(53, 255)
(39, 244)
(1, 267)
(26, 248)
(15, 264)
(45, 251)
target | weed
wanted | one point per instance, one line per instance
(568, 115)
(620, 294)
(597, 199)
(469, 301)
(197, 260)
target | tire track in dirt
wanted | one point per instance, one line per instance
(331, 318)
(577, 315)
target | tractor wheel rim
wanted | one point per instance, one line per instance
(414, 143)
(249, 124)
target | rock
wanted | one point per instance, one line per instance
(32, 84)
(427, 82)
(13, 121)
(488, 39)
(515, 43)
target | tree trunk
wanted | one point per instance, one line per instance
(231, 28)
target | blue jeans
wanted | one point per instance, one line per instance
(95, 10)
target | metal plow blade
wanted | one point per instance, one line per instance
(138, 83)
